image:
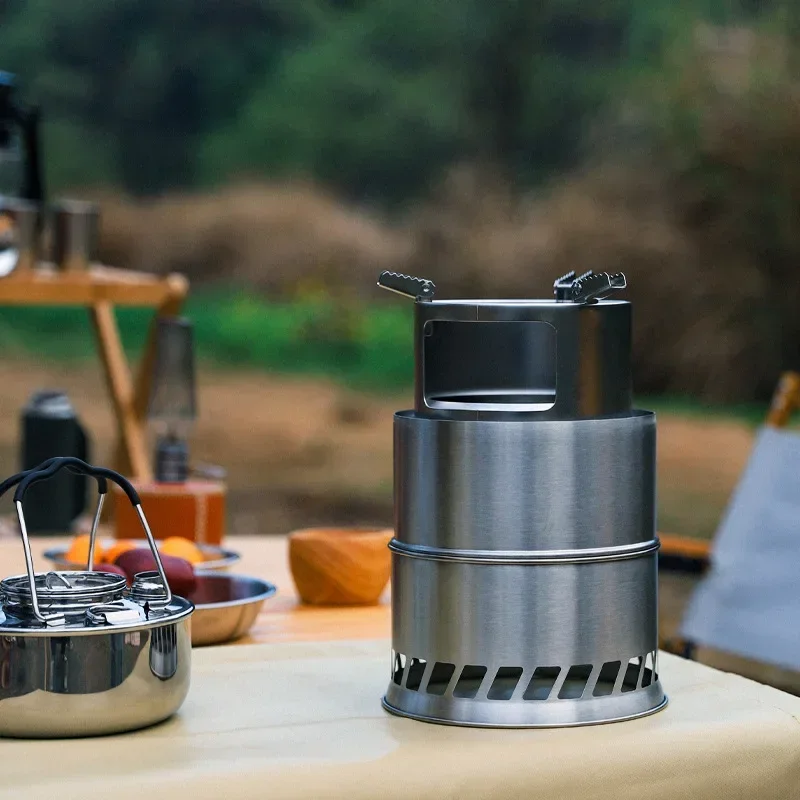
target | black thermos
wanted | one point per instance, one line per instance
(50, 427)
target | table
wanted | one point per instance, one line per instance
(283, 619)
(299, 717)
(101, 289)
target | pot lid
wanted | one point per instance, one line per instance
(83, 601)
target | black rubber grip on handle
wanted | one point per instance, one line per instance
(101, 474)
(102, 486)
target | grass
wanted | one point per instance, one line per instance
(369, 348)
(751, 414)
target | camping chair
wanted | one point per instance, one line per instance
(687, 554)
(755, 542)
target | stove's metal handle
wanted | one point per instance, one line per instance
(102, 475)
(589, 287)
(593, 287)
(407, 285)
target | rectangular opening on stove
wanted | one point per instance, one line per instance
(470, 680)
(506, 366)
(632, 671)
(415, 673)
(441, 674)
(542, 683)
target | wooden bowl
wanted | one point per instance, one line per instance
(340, 566)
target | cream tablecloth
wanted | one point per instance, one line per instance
(303, 720)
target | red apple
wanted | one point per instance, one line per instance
(113, 568)
(179, 572)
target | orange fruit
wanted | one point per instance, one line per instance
(78, 552)
(110, 555)
(179, 547)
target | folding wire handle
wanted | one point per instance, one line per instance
(102, 475)
(102, 487)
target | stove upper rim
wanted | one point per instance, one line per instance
(642, 414)
(530, 302)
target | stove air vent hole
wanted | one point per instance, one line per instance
(441, 674)
(631, 679)
(575, 683)
(469, 681)
(613, 677)
(542, 682)
(398, 667)
(504, 683)
(649, 669)
(607, 678)
(415, 673)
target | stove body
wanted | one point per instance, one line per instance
(524, 563)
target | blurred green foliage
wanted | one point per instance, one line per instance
(374, 98)
(239, 330)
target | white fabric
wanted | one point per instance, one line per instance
(304, 721)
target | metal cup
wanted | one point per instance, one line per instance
(75, 234)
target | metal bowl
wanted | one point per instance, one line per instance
(226, 606)
(217, 559)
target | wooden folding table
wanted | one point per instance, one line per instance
(101, 289)
(293, 712)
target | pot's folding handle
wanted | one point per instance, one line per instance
(9, 483)
(47, 469)
(102, 488)
(102, 475)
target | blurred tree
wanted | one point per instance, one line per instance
(144, 80)
(374, 98)
(394, 91)
(368, 106)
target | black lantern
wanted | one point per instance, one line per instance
(173, 407)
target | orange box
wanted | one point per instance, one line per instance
(194, 510)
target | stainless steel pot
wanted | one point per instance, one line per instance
(80, 653)
(524, 563)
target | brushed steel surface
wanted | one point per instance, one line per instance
(581, 351)
(524, 484)
(583, 555)
(51, 686)
(524, 615)
(522, 618)
(496, 714)
(524, 564)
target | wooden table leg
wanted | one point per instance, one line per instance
(135, 461)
